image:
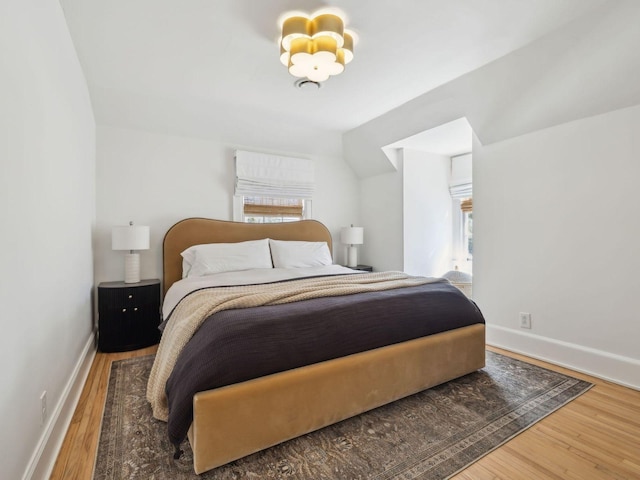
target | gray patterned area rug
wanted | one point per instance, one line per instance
(430, 435)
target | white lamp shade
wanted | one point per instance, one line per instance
(130, 237)
(352, 235)
(456, 276)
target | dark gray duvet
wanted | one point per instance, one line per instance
(237, 345)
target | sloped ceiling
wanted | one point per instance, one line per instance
(200, 67)
(587, 67)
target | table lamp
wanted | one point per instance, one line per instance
(131, 237)
(352, 236)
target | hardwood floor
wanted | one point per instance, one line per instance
(596, 436)
(78, 452)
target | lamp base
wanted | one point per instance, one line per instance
(352, 256)
(132, 268)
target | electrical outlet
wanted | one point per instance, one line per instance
(525, 320)
(43, 407)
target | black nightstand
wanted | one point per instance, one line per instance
(365, 268)
(128, 315)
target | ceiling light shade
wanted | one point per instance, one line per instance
(328, 25)
(316, 46)
(292, 28)
(347, 48)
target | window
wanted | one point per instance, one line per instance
(466, 206)
(462, 214)
(272, 189)
(461, 189)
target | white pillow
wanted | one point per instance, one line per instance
(225, 257)
(292, 254)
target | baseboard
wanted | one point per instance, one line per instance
(608, 366)
(44, 458)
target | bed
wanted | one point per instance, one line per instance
(244, 414)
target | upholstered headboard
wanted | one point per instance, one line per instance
(196, 231)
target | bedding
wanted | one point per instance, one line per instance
(212, 258)
(236, 420)
(294, 254)
(184, 287)
(214, 339)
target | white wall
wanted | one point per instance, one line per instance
(557, 231)
(381, 201)
(406, 215)
(427, 213)
(461, 169)
(157, 180)
(47, 211)
(539, 86)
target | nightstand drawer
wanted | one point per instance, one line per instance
(132, 313)
(129, 297)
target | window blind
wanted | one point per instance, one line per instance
(462, 191)
(264, 175)
(466, 205)
(273, 207)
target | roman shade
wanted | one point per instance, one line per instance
(265, 175)
(461, 191)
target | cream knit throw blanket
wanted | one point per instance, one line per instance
(195, 308)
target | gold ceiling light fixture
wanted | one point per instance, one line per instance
(315, 46)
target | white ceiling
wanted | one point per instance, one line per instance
(199, 59)
(452, 138)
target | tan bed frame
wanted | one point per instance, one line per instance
(234, 421)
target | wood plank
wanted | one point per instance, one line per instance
(595, 436)
(476, 472)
